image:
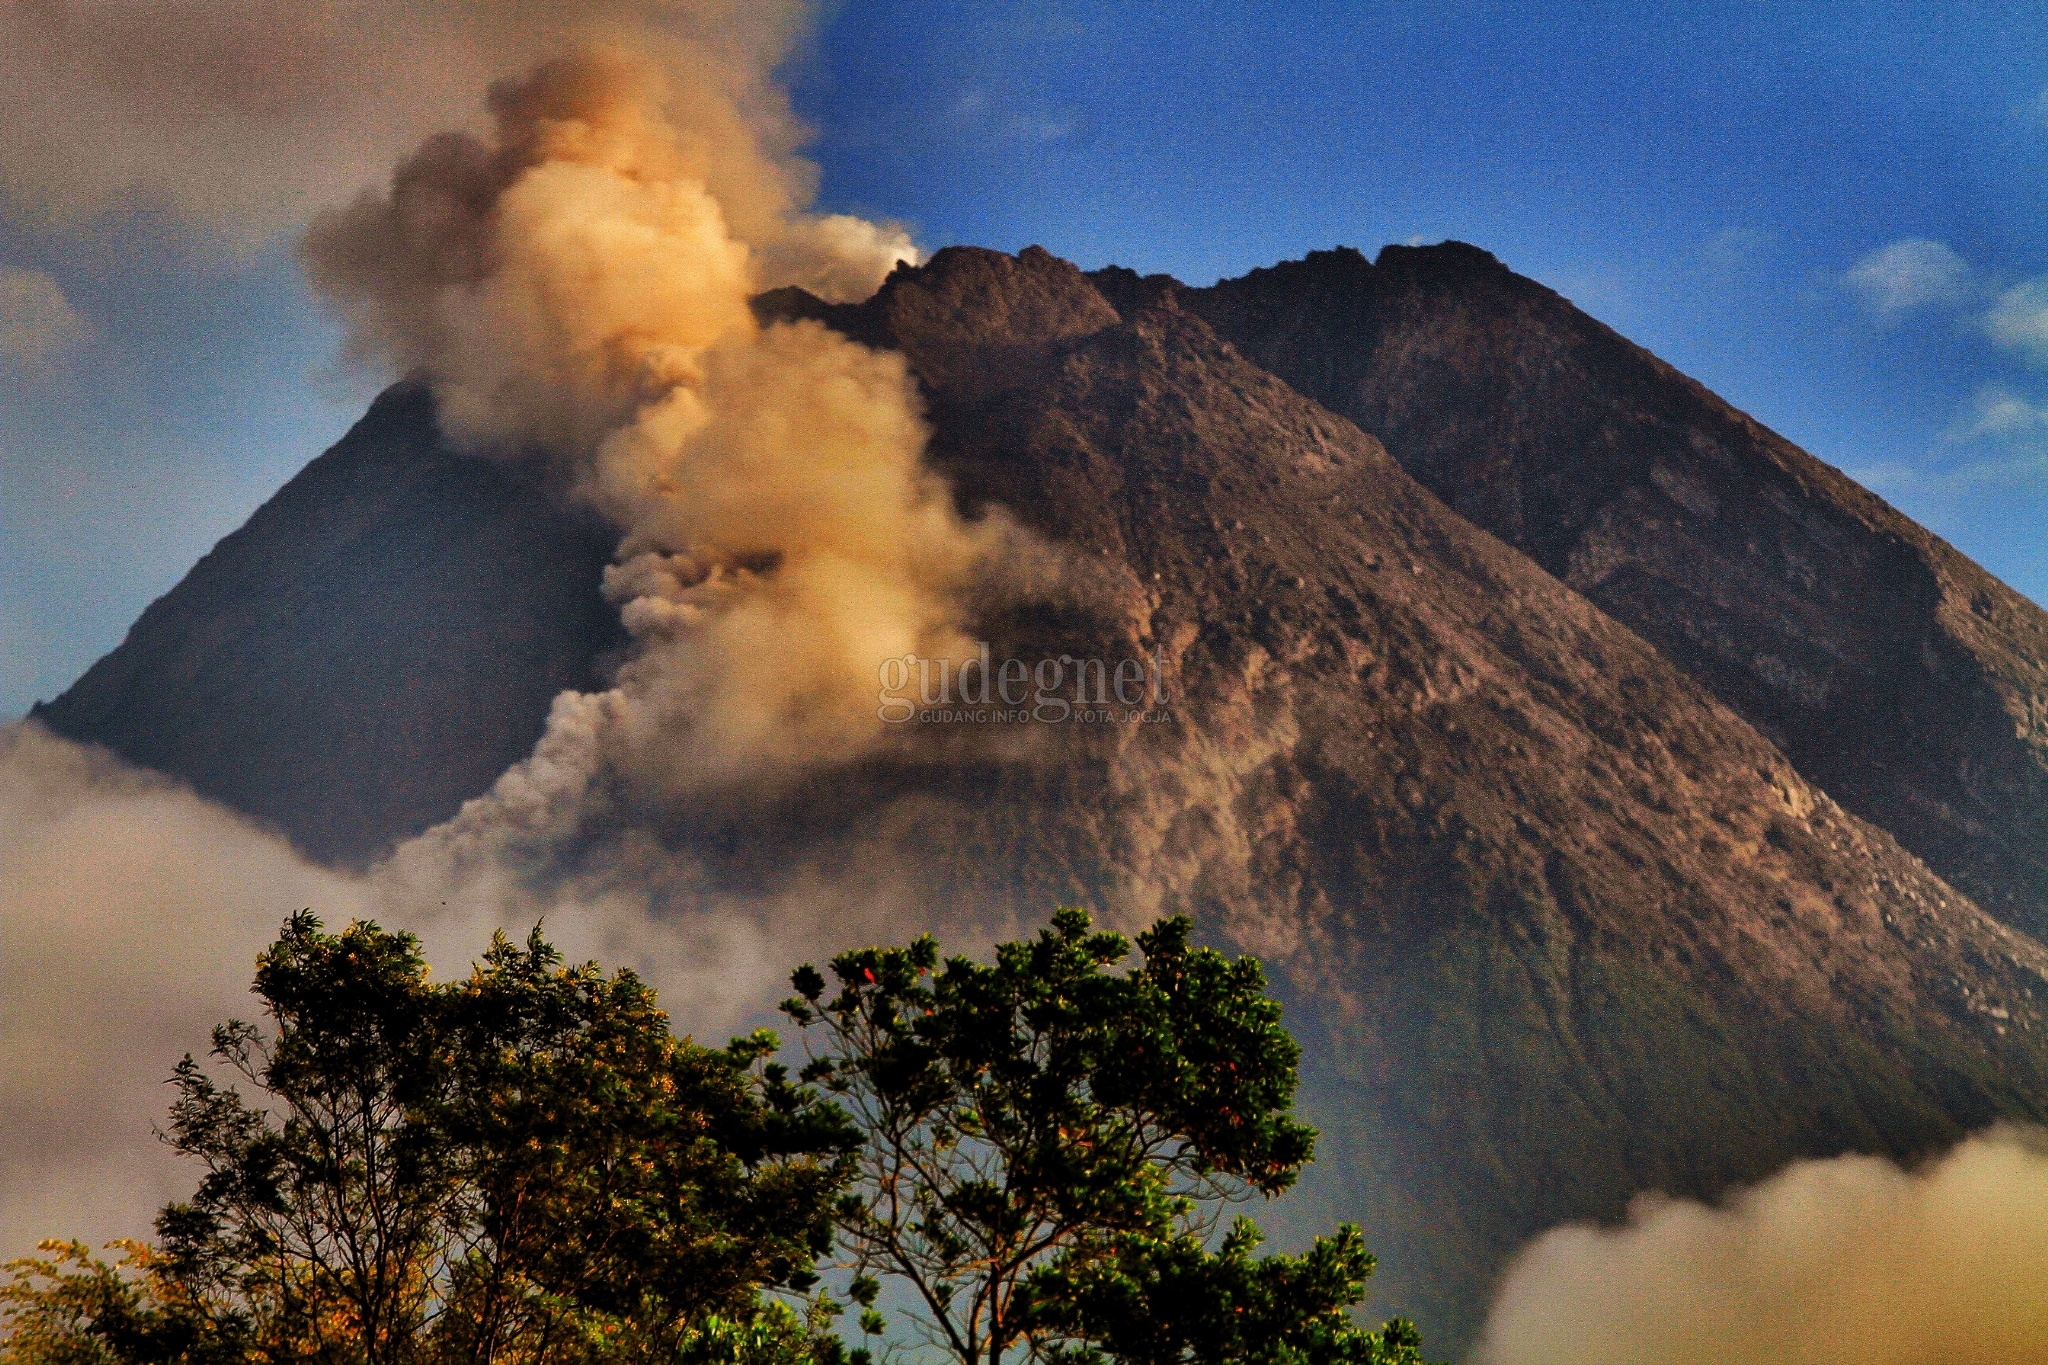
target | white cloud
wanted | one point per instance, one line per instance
(1826, 1263)
(2023, 469)
(1910, 274)
(1007, 117)
(131, 913)
(2019, 319)
(1886, 476)
(1996, 411)
(2003, 436)
(37, 323)
(1734, 251)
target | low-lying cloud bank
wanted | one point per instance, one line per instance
(132, 911)
(1850, 1261)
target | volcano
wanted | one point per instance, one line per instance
(1621, 799)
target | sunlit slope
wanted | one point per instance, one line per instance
(1897, 674)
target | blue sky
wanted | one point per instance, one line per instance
(1830, 213)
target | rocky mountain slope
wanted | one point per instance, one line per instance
(373, 648)
(1568, 928)
(1556, 923)
(1897, 674)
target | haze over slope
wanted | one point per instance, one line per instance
(1556, 923)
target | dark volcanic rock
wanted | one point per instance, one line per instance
(376, 645)
(1899, 676)
(1556, 924)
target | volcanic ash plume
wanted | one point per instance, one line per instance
(576, 290)
(1844, 1262)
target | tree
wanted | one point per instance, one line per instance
(642, 1180)
(68, 1307)
(1050, 1143)
(328, 1220)
(1170, 1301)
(526, 1166)
(522, 1166)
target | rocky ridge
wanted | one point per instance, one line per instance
(1898, 675)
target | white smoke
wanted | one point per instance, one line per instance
(576, 289)
(1850, 1261)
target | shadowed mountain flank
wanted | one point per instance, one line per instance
(373, 648)
(1555, 923)
(1895, 673)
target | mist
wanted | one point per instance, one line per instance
(132, 911)
(1849, 1261)
(131, 914)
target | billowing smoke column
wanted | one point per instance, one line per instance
(574, 284)
(575, 289)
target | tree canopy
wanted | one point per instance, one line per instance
(526, 1166)
(1050, 1143)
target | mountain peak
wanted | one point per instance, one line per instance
(1473, 674)
(1449, 259)
(1898, 675)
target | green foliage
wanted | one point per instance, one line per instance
(1171, 1301)
(522, 1166)
(330, 1214)
(1050, 1141)
(616, 1169)
(771, 1334)
(527, 1167)
(69, 1307)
